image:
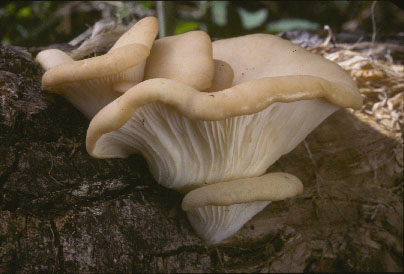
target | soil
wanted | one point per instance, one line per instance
(64, 211)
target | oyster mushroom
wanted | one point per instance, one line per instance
(268, 97)
(190, 137)
(217, 211)
(92, 83)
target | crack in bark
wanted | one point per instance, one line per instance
(106, 196)
(189, 249)
(56, 242)
(6, 175)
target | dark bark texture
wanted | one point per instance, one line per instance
(64, 211)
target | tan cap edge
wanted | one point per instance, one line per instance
(235, 101)
(269, 187)
(143, 32)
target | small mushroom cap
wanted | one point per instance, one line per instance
(270, 187)
(130, 50)
(186, 58)
(114, 61)
(217, 211)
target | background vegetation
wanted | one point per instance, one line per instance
(41, 23)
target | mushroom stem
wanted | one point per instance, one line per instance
(218, 211)
(216, 223)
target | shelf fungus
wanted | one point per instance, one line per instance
(92, 83)
(209, 118)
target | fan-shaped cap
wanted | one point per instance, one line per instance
(272, 56)
(217, 211)
(243, 99)
(99, 80)
(186, 58)
(258, 56)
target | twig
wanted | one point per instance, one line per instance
(329, 36)
(81, 37)
(338, 209)
(375, 212)
(372, 12)
(318, 176)
(167, 16)
(50, 170)
(161, 17)
(218, 255)
(60, 13)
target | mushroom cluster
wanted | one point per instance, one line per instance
(209, 117)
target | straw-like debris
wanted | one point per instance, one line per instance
(380, 79)
(379, 73)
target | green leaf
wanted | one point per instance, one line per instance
(219, 12)
(24, 12)
(185, 26)
(291, 24)
(45, 5)
(10, 9)
(146, 4)
(124, 13)
(22, 31)
(6, 40)
(252, 20)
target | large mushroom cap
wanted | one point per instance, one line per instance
(190, 137)
(217, 211)
(91, 83)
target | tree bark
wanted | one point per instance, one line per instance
(63, 211)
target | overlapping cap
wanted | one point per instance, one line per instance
(91, 83)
